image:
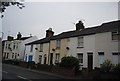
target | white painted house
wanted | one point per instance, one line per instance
(92, 46)
(38, 51)
(15, 48)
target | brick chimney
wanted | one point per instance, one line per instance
(19, 36)
(79, 26)
(49, 32)
(10, 38)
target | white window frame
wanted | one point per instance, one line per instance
(80, 42)
(80, 58)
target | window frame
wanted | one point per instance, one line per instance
(80, 42)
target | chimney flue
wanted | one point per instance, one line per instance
(19, 36)
(79, 26)
(10, 38)
(49, 32)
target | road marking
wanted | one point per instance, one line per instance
(4, 71)
(24, 78)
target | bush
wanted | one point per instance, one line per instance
(116, 69)
(106, 66)
(70, 62)
(31, 64)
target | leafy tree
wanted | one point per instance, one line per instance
(4, 4)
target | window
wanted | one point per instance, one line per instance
(115, 35)
(14, 46)
(40, 59)
(7, 55)
(80, 57)
(80, 42)
(101, 58)
(6, 46)
(12, 55)
(115, 58)
(31, 49)
(15, 55)
(41, 47)
(17, 46)
(57, 43)
(57, 58)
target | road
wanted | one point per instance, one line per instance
(16, 73)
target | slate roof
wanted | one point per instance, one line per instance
(105, 27)
(44, 40)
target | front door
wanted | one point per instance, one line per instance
(51, 58)
(30, 58)
(90, 61)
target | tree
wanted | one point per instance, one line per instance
(5, 3)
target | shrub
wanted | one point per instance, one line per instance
(70, 62)
(106, 66)
(116, 69)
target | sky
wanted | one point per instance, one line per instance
(37, 17)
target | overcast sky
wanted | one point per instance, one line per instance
(37, 17)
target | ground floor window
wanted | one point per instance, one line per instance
(80, 57)
(101, 58)
(57, 58)
(12, 55)
(40, 59)
(115, 58)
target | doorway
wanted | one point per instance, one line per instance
(90, 61)
(51, 58)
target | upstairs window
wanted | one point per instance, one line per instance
(115, 35)
(6, 46)
(80, 42)
(31, 48)
(57, 43)
(14, 46)
(41, 47)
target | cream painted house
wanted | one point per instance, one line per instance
(15, 48)
(58, 49)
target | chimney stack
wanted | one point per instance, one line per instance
(10, 38)
(19, 36)
(79, 26)
(49, 32)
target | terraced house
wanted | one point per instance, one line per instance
(15, 48)
(92, 45)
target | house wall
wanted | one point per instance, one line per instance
(101, 42)
(44, 53)
(104, 43)
(29, 53)
(89, 46)
(62, 50)
(15, 51)
(22, 45)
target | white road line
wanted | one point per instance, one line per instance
(21, 77)
(24, 78)
(4, 71)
